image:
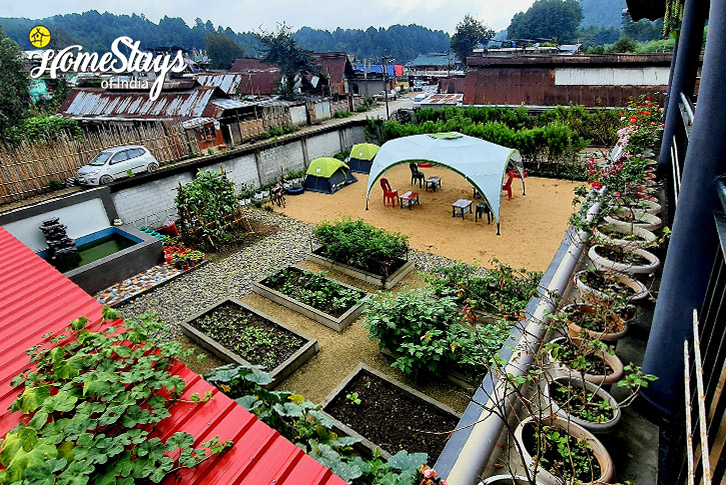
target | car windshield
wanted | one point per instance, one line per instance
(101, 158)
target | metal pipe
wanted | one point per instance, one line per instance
(482, 441)
(689, 108)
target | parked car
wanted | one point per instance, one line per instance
(419, 98)
(116, 163)
(392, 95)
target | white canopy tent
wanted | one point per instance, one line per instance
(483, 164)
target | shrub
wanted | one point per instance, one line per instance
(432, 335)
(207, 205)
(355, 243)
(55, 184)
(501, 291)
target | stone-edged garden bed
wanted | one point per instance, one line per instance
(237, 333)
(402, 268)
(365, 396)
(327, 301)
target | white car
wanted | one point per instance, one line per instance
(116, 163)
(392, 95)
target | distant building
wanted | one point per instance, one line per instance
(550, 80)
(436, 64)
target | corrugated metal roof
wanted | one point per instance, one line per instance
(229, 83)
(251, 64)
(443, 99)
(97, 103)
(36, 299)
(553, 60)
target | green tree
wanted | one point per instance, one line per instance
(624, 44)
(14, 95)
(222, 50)
(281, 49)
(469, 33)
(556, 19)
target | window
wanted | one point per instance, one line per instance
(135, 152)
(120, 157)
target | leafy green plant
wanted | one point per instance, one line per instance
(303, 423)
(55, 184)
(431, 336)
(130, 173)
(207, 206)
(501, 291)
(356, 243)
(353, 398)
(92, 404)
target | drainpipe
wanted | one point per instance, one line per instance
(694, 240)
(683, 74)
(475, 453)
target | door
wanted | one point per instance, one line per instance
(119, 164)
(137, 161)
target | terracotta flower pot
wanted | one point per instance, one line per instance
(615, 330)
(604, 233)
(593, 427)
(638, 289)
(602, 262)
(607, 470)
(611, 360)
(644, 196)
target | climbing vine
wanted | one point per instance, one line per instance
(91, 407)
(673, 17)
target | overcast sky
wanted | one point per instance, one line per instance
(245, 15)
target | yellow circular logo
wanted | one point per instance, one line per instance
(39, 36)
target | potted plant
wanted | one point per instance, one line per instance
(628, 217)
(598, 321)
(606, 284)
(590, 359)
(636, 237)
(623, 259)
(560, 450)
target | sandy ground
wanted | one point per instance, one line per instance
(532, 226)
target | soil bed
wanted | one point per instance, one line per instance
(619, 255)
(392, 418)
(314, 289)
(380, 270)
(240, 239)
(582, 404)
(256, 339)
(588, 468)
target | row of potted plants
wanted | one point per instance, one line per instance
(182, 258)
(565, 393)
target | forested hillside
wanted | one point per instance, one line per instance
(602, 13)
(96, 31)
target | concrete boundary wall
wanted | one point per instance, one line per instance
(148, 200)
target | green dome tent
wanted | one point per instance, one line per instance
(327, 175)
(361, 157)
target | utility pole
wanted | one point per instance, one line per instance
(385, 85)
(448, 64)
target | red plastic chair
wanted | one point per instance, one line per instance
(388, 193)
(507, 187)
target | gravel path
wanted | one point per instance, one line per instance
(232, 276)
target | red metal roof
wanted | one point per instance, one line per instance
(36, 299)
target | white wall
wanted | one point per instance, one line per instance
(299, 115)
(82, 219)
(153, 198)
(610, 76)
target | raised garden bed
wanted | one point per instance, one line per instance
(398, 269)
(237, 333)
(332, 303)
(365, 396)
(455, 378)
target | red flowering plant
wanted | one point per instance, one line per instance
(644, 128)
(620, 178)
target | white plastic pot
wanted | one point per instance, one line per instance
(639, 291)
(603, 238)
(601, 262)
(641, 219)
(595, 428)
(507, 480)
(607, 469)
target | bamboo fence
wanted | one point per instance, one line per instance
(27, 167)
